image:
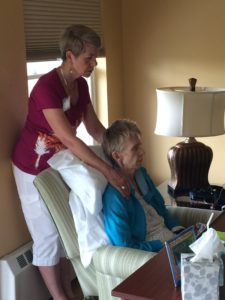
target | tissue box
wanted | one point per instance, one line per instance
(199, 280)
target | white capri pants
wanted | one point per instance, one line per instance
(47, 248)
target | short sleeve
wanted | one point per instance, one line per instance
(48, 91)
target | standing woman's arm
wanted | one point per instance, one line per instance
(93, 125)
(64, 132)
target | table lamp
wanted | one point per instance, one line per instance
(189, 112)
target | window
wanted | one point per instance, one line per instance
(36, 69)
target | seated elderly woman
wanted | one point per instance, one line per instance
(142, 220)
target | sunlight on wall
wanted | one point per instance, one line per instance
(100, 86)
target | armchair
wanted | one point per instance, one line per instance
(110, 265)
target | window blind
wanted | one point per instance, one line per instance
(45, 20)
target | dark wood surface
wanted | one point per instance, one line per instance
(153, 281)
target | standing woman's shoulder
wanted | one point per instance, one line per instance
(48, 91)
(47, 80)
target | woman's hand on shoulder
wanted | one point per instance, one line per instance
(119, 181)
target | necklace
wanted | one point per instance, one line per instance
(63, 77)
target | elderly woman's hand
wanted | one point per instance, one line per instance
(119, 181)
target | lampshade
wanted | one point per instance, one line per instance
(181, 112)
(189, 113)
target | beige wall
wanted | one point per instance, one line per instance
(13, 100)
(112, 27)
(165, 42)
(149, 43)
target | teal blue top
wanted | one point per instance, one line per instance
(124, 219)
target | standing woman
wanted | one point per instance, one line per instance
(58, 103)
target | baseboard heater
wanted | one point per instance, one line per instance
(19, 279)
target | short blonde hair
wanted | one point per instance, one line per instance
(75, 37)
(116, 134)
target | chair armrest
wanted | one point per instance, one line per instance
(122, 261)
(187, 216)
(119, 261)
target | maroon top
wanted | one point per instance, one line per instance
(38, 142)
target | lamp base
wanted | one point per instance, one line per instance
(189, 165)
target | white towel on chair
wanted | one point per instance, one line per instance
(87, 186)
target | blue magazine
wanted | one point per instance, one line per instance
(177, 245)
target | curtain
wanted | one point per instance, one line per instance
(45, 20)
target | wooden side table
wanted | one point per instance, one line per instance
(153, 281)
(180, 200)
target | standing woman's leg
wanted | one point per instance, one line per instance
(67, 272)
(47, 248)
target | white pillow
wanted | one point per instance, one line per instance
(87, 186)
(85, 181)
